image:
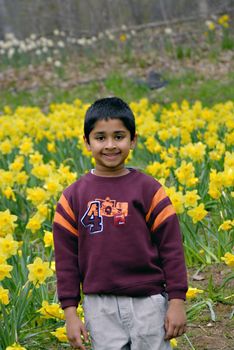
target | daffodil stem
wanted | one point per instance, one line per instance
(191, 345)
(229, 297)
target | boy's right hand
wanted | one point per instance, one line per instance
(75, 329)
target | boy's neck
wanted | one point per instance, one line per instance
(110, 173)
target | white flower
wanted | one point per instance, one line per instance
(100, 35)
(168, 31)
(9, 36)
(111, 37)
(33, 36)
(94, 39)
(60, 44)
(81, 41)
(10, 52)
(57, 64)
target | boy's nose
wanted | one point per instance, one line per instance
(110, 144)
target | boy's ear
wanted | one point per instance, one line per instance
(134, 142)
(86, 143)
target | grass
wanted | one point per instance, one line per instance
(193, 87)
(187, 85)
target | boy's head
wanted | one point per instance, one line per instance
(109, 108)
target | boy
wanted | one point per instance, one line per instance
(117, 234)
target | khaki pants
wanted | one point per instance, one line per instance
(126, 323)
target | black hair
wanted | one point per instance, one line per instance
(109, 108)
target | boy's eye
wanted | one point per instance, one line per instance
(119, 137)
(99, 138)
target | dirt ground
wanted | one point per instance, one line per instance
(202, 332)
(32, 77)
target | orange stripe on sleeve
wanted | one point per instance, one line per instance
(158, 197)
(165, 213)
(66, 207)
(59, 219)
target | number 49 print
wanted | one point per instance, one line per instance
(92, 217)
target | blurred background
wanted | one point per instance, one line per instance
(90, 17)
(55, 50)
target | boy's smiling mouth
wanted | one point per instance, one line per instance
(111, 155)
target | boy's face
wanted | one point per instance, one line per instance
(110, 143)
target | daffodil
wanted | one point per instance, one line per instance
(226, 225)
(186, 174)
(5, 269)
(48, 239)
(17, 165)
(224, 21)
(51, 147)
(9, 193)
(6, 178)
(173, 343)
(228, 258)
(52, 266)
(4, 296)
(60, 334)
(39, 271)
(7, 223)
(194, 151)
(193, 292)
(191, 198)
(210, 25)
(36, 158)
(41, 171)
(6, 147)
(21, 178)
(198, 213)
(152, 145)
(51, 310)
(34, 223)
(26, 146)
(123, 37)
(177, 200)
(43, 211)
(37, 195)
(52, 185)
(8, 246)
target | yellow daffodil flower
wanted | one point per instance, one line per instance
(51, 311)
(228, 258)
(39, 271)
(173, 343)
(198, 213)
(7, 223)
(193, 292)
(48, 239)
(8, 246)
(60, 334)
(4, 296)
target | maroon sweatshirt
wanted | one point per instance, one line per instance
(119, 236)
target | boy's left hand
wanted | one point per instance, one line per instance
(175, 321)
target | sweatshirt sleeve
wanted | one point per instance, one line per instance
(164, 225)
(66, 254)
